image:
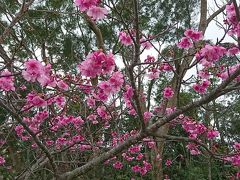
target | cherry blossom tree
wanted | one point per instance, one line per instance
(114, 107)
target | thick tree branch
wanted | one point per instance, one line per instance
(105, 156)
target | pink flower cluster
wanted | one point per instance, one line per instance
(97, 63)
(6, 81)
(2, 160)
(194, 35)
(67, 140)
(191, 35)
(125, 38)
(92, 8)
(133, 154)
(232, 20)
(35, 71)
(202, 87)
(33, 123)
(211, 134)
(229, 71)
(147, 116)
(135, 149)
(64, 121)
(210, 54)
(168, 92)
(149, 59)
(235, 160)
(62, 85)
(204, 74)
(185, 43)
(153, 73)
(193, 148)
(102, 112)
(236, 146)
(233, 51)
(165, 67)
(120, 138)
(118, 165)
(193, 128)
(231, 14)
(127, 96)
(142, 170)
(106, 88)
(168, 162)
(35, 100)
(145, 43)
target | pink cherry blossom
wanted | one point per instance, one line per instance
(194, 35)
(127, 157)
(106, 87)
(60, 101)
(102, 112)
(201, 88)
(168, 162)
(238, 175)
(129, 92)
(168, 92)
(147, 116)
(91, 102)
(233, 51)
(203, 74)
(38, 101)
(132, 112)
(165, 67)
(193, 149)
(143, 171)
(6, 82)
(153, 73)
(92, 118)
(198, 88)
(151, 144)
(35, 71)
(97, 63)
(136, 168)
(135, 149)
(62, 85)
(118, 165)
(2, 160)
(150, 59)
(125, 39)
(49, 142)
(85, 4)
(231, 14)
(212, 134)
(236, 146)
(116, 81)
(147, 165)
(145, 43)
(139, 156)
(212, 53)
(236, 160)
(185, 43)
(97, 13)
